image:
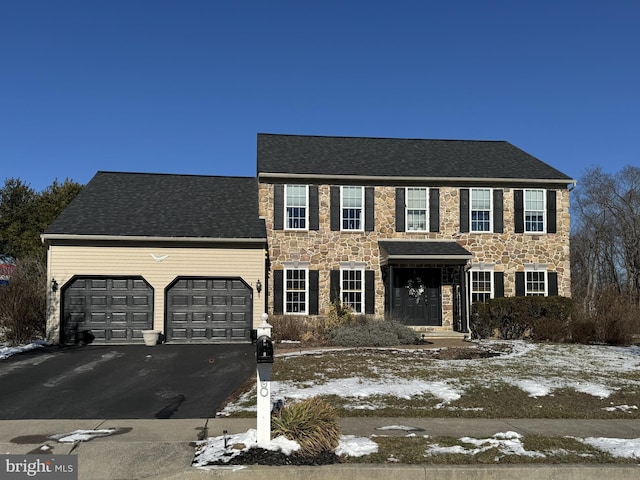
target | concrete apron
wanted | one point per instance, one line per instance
(416, 472)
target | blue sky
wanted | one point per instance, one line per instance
(185, 86)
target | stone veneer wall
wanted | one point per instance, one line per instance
(325, 249)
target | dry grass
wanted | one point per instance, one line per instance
(414, 450)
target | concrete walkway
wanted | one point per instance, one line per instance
(162, 449)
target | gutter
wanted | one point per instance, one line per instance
(388, 179)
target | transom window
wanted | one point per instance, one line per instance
(296, 199)
(352, 206)
(417, 205)
(534, 210)
(480, 209)
(295, 290)
(481, 285)
(535, 283)
(352, 289)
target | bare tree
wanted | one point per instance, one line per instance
(606, 234)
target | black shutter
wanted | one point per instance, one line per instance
(278, 207)
(519, 284)
(498, 212)
(434, 209)
(278, 285)
(334, 286)
(369, 209)
(313, 292)
(498, 284)
(369, 292)
(464, 210)
(551, 211)
(518, 208)
(400, 205)
(552, 288)
(335, 208)
(314, 208)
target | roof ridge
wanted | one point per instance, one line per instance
(381, 138)
(190, 175)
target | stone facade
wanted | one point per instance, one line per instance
(506, 252)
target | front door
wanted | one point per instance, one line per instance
(416, 296)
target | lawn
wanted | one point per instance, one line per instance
(489, 379)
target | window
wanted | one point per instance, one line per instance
(534, 209)
(296, 200)
(352, 289)
(295, 290)
(535, 283)
(417, 205)
(352, 202)
(481, 285)
(480, 210)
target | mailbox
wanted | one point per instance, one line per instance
(264, 350)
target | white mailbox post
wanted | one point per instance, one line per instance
(264, 357)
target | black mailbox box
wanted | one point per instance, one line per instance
(264, 350)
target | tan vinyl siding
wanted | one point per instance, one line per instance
(65, 262)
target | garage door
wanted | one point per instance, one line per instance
(209, 309)
(113, 309)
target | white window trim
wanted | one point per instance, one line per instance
(406, 210)
(306, 208)
(490, 211)
(544, 211)
(295, 266)
(482, 267)
(536, 267)
(362, 214)
(354, 266)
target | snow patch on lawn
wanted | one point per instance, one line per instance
(507, 443)
(617, 447)
(353, 446)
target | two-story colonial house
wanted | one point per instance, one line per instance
(412, 229)
(409, 228)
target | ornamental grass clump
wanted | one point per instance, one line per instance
(312, 423)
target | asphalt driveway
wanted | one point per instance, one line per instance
(132, 381)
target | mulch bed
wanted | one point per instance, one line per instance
(260, 456)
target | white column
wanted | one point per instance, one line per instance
(263, 390)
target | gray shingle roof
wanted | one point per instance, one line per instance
(423, 249)
(396, 157)
(159, 205)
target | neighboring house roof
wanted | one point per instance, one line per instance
(423, 250)
(163, 206)
(279, 155)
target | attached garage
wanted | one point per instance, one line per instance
(113, 309)
(209, 309)
(182, 254)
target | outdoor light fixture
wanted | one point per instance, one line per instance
(54, 285)
(259, 286)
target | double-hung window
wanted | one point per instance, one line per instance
(417, 206)
(535, 283)
(352, 288)
(352, 207)
(481, 285)
(534, 210)
(481, 210)
(296, 211)
(296, 290)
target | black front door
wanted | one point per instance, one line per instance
(416, 296)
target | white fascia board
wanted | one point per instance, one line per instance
(384, 179)
(137, 238)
